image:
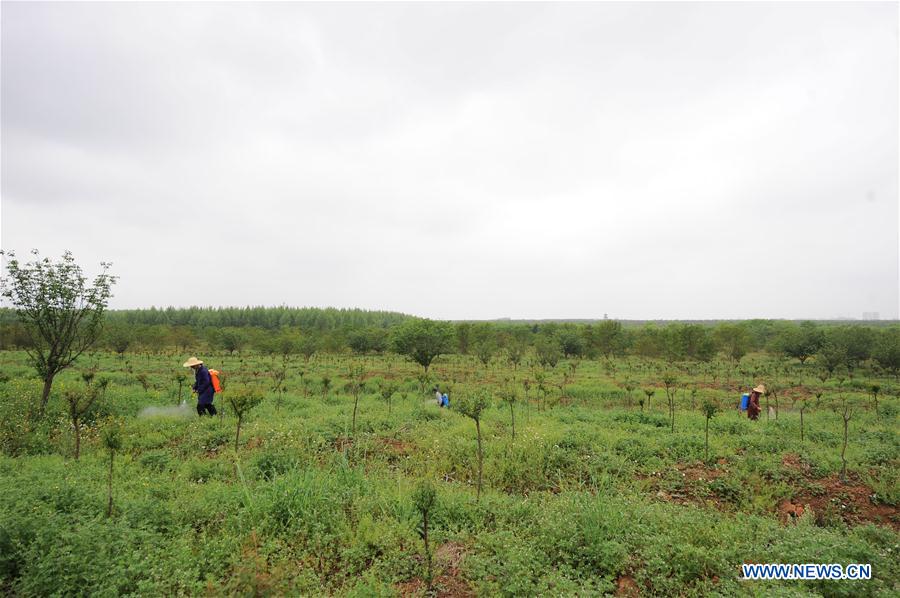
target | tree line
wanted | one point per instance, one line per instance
(307, 331)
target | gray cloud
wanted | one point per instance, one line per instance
(462, 160)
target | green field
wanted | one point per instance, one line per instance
(596, 494)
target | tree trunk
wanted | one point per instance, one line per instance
(237, 434)
(512, 414)
(355, 405)
(480, 459)
(844, 449)
(109, 502)
(427, 548)
(77, 426)
(707, 439)
(801, 425)
(45, 394)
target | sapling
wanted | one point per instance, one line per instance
(804, 405)
(629, 388)
(388, 389)
(326, 385)
(242, 399)
(79, 399)
(709, 409)
(540, 378)
(510, 395)
(179, 380)
(355, 387)
(669, 381)
(424, 499)
(112, 442)
(278, 377)
(874, 389)
(423, 379)
(649, 392)
(88, 375)
(472, 405)
(846, 414)
(303, 382)
(772, 389)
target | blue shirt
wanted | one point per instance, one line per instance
(203, 385)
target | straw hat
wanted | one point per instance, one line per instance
(761, 389)
(192, 362)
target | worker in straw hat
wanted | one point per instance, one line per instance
(203, 386)
(753, 407)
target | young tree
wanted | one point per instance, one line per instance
(709, 409)
(230, 339)
(846, 413)
(79, 400)
(608, 338)
(887, 351)
(548, 350)
(510, 396)
(118, 337)
(484, 342)
(874, 390)
(831, 356)
(629, 387)
(388, 390)
(649, 392)
(326, 385)
(355, 386)
(800, 342)
(422, 340)
(179, 380)
(732, 339)
(307, 346)
(279, 374)
(424, 500)
(242, 399)
(62, 315)
(670, 382)
(112, 442)
(472, 405)
(517, 344)
(804, 405)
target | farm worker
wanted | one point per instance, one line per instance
(753, 408)
(203, 386)
(445, 401)
(437, 396)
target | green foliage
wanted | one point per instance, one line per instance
(424, 499)
(61, 314)
(887, 350)
(800, 342)
(473, 403)
(589, 492)
(242, 398)
(548, 350)
(423, 340)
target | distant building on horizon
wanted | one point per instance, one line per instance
(870, 315)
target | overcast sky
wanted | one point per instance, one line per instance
(711, 160)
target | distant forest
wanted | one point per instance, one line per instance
(307, 331)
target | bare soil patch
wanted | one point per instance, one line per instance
(828, 499)
(448, 581)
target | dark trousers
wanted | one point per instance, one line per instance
(208, 407)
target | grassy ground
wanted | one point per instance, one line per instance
(596, 494)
